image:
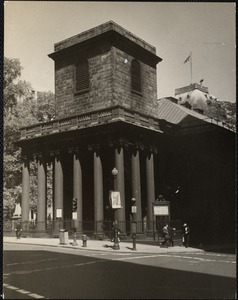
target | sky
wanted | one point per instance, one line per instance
(206, 29)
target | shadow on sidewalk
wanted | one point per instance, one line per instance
(229, 250)
(108, 246)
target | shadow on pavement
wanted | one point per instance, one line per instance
(222, 250)
(230, 249)
(65, 276)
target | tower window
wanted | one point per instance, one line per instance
(81, 77)
(136, 76)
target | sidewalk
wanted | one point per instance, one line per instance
(105, 245)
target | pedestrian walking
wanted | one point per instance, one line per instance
(167, 237)
(18, 229)
(186, 235)
(171, 233)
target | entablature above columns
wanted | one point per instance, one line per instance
(127, 145)
(118, 143)
(80, 149)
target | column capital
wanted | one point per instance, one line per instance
(152, 150)
(95, 148)
(118, 143)
(121, 142)
(137, 146)
(37, 156)
(55, 153)
(73, 150)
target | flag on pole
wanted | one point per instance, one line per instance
(187, 59)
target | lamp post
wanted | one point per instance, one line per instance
(133, 223)
(116, 241)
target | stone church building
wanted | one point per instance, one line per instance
(108, 115)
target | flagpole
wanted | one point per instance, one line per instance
(191, 68)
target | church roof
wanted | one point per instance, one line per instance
(175, 113)
(183, 117)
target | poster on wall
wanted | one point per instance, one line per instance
(115, 199)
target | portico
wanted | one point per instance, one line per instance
(75, 157)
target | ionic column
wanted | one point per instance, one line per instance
(136, 186)
(150, 184)
(120, 183)
(41, 203)
(58, 185)
(98, 191)
(77, 187)
(25, 193)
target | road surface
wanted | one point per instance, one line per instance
(34, 272)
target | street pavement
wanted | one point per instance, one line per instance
(102, 245)
(44, 268)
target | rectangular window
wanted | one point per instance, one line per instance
(82, 77)
(136, 76)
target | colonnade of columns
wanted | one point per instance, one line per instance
(58, 181)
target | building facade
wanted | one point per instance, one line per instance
(105, 85)
(107, 115)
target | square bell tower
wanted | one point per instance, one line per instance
(104, 67)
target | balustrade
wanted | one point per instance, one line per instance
(76, 122)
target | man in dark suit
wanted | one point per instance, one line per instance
(186, 234)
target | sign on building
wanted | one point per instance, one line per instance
(133, 209)
(161, 210)
(115, 199)
(74, 215)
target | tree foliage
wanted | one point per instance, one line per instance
(45, 106)
(21, 108)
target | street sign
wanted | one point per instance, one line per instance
(59, 213)
(74, 215)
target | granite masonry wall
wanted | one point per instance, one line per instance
(109, 58)
(110, 84)
(144, 102)
(100, 88)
